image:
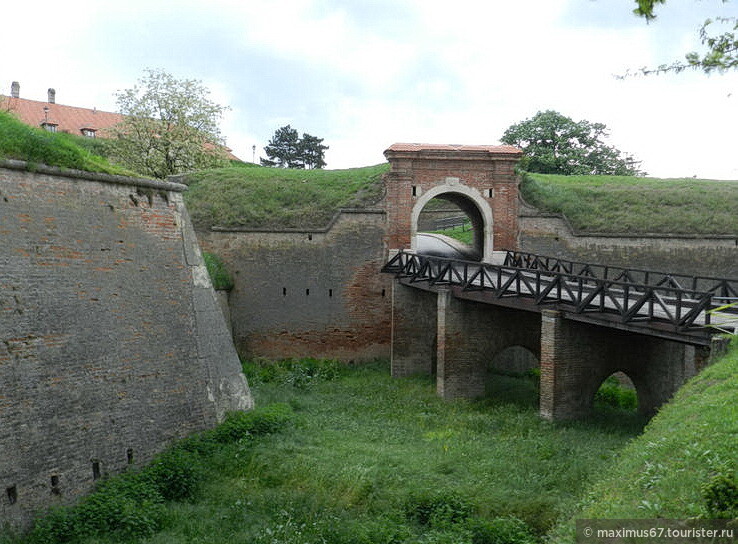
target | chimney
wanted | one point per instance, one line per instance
(52, 96)
(15, 89)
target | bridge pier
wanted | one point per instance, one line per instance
(470, 334)
(577, 357)
(444, 330)
(413, 344)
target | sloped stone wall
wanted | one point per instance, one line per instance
(111, 341)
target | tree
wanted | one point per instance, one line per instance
(555, 144)
(169, 126)
(287, 150)
(721, 52)
(312, 151)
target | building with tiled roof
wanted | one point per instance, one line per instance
(60, 118)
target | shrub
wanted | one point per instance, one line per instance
(128, 506)
(721, 496)
(299, 373)
(259, 421)
(176, 474)
(507, 530)
(439, 510)
(613, 395)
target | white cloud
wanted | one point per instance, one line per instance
(365, 75)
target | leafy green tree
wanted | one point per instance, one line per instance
(555, 144)
(169, 126)
(287, 150)
(721, 44)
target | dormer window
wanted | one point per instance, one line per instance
(50, 127)
(88, 132)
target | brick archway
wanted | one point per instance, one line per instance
(471, 201)
(481, 176)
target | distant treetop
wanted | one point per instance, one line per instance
(555, 144)
(287, 150)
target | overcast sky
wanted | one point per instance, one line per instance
(366, 74)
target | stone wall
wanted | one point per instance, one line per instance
(111, 341)
(309, 293)
(551, 235)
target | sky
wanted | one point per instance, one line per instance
(364, 74)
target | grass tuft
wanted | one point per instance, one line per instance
(219, 275)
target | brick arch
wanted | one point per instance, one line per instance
(514, 357)
(638, 384)
(471, 201)
(419, 172)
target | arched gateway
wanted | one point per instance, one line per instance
(452, 317)
(479, 179)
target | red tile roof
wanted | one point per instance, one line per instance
(70, 119)
(454, 147)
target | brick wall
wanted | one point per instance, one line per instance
(111, 343)
(488, 172)
(715, 256)
(316, 293)
(577, 357)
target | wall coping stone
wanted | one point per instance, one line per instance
(82, 175)
(305, 230)
(528, 210)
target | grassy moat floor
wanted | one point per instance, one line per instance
(364, 458)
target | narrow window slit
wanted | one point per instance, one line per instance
(55, 485)
(129, 456)
(96, 470)
(12, 493)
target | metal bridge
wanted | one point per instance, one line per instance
(687, 309)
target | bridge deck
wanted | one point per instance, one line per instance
(683, 308)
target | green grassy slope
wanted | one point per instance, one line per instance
(619, 204)
(37, 146)
(368, 459)
(259, 197)
(664, 472)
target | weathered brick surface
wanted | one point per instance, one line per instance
(315, 294)
(715, 256)
(111, 343)
(470, 336)
(577, 357)
(489, 176)
(414, 328)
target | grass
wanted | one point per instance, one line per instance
(620, 204)
(37, 146)
(366, 458)
(686, 456)
(463, 234)
(246, 195)
(219, 275)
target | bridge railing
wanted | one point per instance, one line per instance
(722, 288)
(580, 293)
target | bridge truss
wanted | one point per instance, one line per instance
(688, 309)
